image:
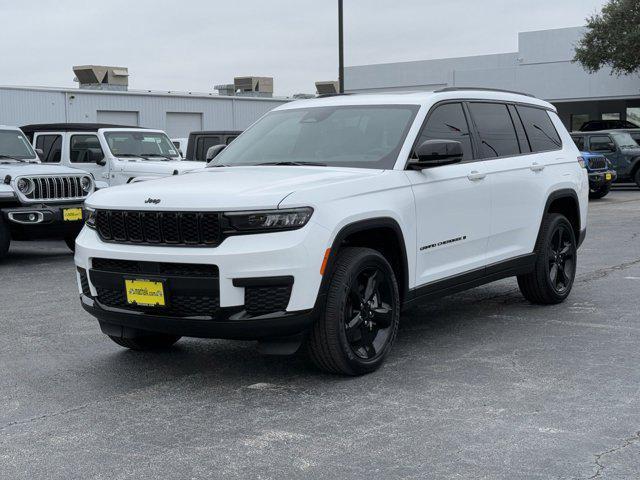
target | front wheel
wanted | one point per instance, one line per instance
(151, 342)
(71, 243)
(599, 192)
(552, 278)
(361, 316)
(5, 238)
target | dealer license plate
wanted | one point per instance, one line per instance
(72, 214)
(146, 293)
(607, 176)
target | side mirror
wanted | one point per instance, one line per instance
(96, 156)
(435, 153)
(40, 153)
(214, 151)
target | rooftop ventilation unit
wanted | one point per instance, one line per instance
(99, 77)
(254, 86)
(328, 88)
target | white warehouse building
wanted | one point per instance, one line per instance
(542, 66)
(178, 113)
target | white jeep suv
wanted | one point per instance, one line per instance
(324, 219)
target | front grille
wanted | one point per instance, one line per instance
(67, 187)
(263, 300)
(159, 228)
(179, 305)
(172, 269)
(191, 290)
(597, 163)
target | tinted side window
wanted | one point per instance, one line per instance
(204, 144)
(579, 141)
(51, 145)
(601, 143)
(542, 135)
(496, 129)
(80, 146)
(448, 122)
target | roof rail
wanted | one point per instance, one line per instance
(457, 89)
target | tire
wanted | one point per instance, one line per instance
(552, 278)
(5, 239)
(71, 243)
(600, 192)
(152, 342)
(359, 322)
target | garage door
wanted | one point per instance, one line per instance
(117, 117)
(180, 124)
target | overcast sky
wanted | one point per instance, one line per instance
(192, 45)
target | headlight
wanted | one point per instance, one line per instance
(90, 217)
(270, 220)
(86, 184)
(25, 186)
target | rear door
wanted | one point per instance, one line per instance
(519, 144)
(51, 146)
(603, 144)
(452, 202)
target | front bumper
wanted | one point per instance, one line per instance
(41, 221)
(597, 180)
(244, 268)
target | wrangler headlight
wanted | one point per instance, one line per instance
(270, 220)
(86, 184)
(25, 185)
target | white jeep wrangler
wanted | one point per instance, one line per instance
(113, 155)
(324, 219)
(37, 201)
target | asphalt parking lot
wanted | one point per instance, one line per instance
(479, 385)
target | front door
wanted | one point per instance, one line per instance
(84, 152)
(453, 203)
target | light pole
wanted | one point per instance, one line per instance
(340, 48)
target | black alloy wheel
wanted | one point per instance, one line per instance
(369, 313)
(561, 259)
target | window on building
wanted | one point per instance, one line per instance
(577, 120)
(542, 135)
(51, 146)
(82, 145)
(448, 122)
(496, 129)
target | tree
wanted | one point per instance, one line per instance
(612, 39)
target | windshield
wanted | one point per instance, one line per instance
(363, 136)
(13, 144)
(624, 140)
(145, 145)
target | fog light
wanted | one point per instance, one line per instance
(32, 217)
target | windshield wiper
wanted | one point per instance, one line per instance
(157, 155)
(8, 157)
(143, 156)
(303, 164)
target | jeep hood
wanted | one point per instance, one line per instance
(160, 167)
(226, 188)
(26, 169)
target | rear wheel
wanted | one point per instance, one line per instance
(599, 192)
(5, 238)
(552, 278)
(151, 342)
(360, 320)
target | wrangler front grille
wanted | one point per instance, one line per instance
(159, 228)
(68, 187)
(597, 163)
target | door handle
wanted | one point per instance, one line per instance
(536, 167)
(475, 175)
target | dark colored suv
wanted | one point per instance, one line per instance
(601, 174)
(594, 125)
(618, 146)
(200, 142)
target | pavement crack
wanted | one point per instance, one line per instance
(598, 461)
(604, 272)
(46, 415)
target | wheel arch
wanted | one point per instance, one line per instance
(383, 234)
(565, 202)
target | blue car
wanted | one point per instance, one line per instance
(601, 174)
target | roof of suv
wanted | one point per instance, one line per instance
(69, 127)
(418, 98)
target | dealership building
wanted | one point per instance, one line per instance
(103, 96)
(542, 66)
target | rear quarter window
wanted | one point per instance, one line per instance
(541, 132)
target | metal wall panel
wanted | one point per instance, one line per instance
(180, 124)
(118, 117)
